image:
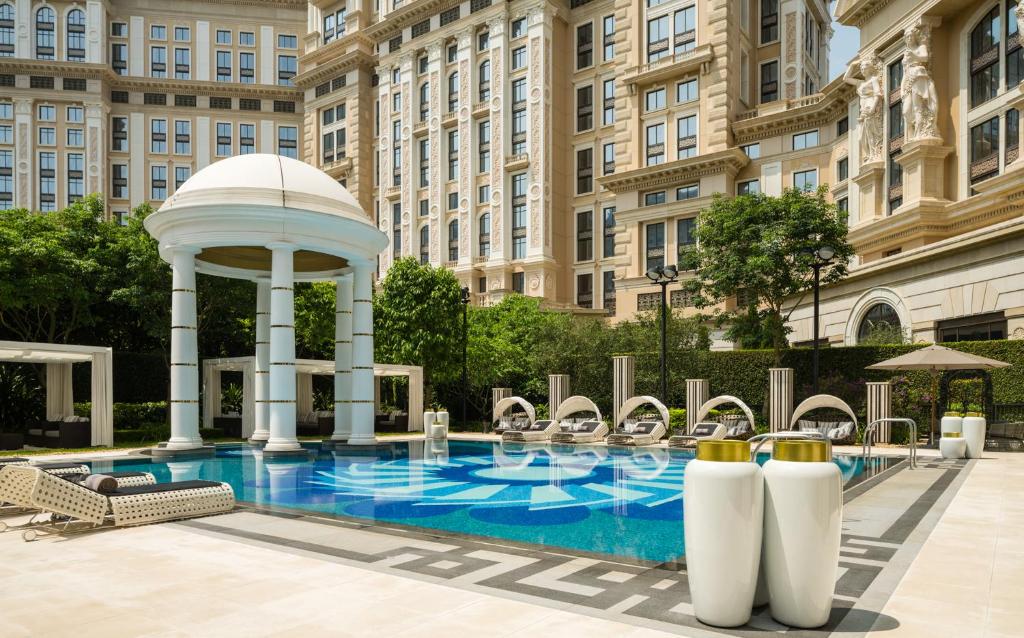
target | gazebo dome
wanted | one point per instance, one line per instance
(231, 213)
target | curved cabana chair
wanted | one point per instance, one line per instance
(711, 431)
(514, 419)
(573, 429)
(524, 430)
(643, 432)
(838, 432)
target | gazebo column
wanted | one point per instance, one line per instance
(282, 350)
(342, 358)
(362, 357)
(184, 352)
(262, 385)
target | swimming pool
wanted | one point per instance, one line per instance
(625, 502)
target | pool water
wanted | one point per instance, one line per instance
(624, 502)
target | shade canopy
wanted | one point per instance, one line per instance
(821, 401)
(936, 358)
(576, 404)
(508, 402)
(633, 403)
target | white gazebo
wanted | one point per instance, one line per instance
(304, 371)
(275, 221)
(59, 397)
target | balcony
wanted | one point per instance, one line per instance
(517, 161)
(392, 192)
(669, 66)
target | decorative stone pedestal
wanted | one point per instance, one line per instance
(870, 182)
(923, 163)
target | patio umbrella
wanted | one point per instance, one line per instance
(936, 360)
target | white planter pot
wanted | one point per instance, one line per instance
(724, 505)
(952, 447)
(442, 416)
(803, 514)
(974, 433)
(428, 418)
(951, 424)
(438, 431)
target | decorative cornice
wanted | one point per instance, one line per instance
(325, 53)
(729, 161)
(334, 68)
(793, 115)
(855, 13)
(56, 68)
(406, 16)
(672, 66)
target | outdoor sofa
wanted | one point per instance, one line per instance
(586, 431)
(708, 431)
(69, 432)
(838, 432)
(538, 431)
(642, 433)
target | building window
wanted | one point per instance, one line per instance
(182, 137)
(686, 91)
(453, 155)
(987, 327)
(181, 175)
(158, 182)
(76, 177)
(585, 290)
(985, 58)
(483, 41)
(655, 245)
(685, 38)
(181, 34)
(804, 140)
(769, 21)
(484, 239)
(753, 151)
(519, 91)
(1012, 135)
(119, 181)
(985, 150)
(452, 53)
(518, 131)
(483, 193)
(1014, 50)
(453, 240)
(76, 35)
(396, 230)
(655, 144)
(287, 141)
(425, 244)
(223, 139)
(585, 236)
(484, 146)
(608, 158)
(47, 136)
(453, 91)
(484, 92)
(686, 236)
(247, 68)
(518, 58)
(748, 187)
(158, 136)
(843, 204)
(287, 41)
(654, 100)
(157, 32)
(48, 181)
(843, 169)
(894, 81)
(519, 216)
(608, 38)
(690, 191)
(119, 134)
(769, 81)
(518, 29)
(75, 137)
(287, 66)
(453, 201)
(842, 126)
(608, 103)
(686, 137)
(158, 62)
(878, 316)
(223, 66)
(46, 28)
(424, 154)
(246, 139)
(608, 291)
(584, 108)
(584, 170)
(658, 38)
(806, 180)
(6, 41)
(584, 45)
(654, 198)
(182, 64)
(519, 282)
(608, 215)
(247, 38)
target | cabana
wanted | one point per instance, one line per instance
(304, 371)
(838, 432)
(643, 432)
(518, 420)
(59, 397)
(578, 430)
(521, 429)
(716, 431)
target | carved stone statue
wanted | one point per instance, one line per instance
(872, 106)
(920, 99)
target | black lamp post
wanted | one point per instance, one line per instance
(663, 276)
(822, 257)
(465, 340)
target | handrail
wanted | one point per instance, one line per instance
(761, 439)
(869, 432)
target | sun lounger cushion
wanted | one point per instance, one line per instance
(100, 483)
(49, 467)
(645, 427)
(703, 429)
(12, 459)
(589, 426)
(539, 426)
(161, 487)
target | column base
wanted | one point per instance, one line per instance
(259, 436)
(182, 444)
(281, 445)
(166, 452)
(297, 455)
(362, 439)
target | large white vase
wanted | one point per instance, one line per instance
(723, 500)
(952, 445)
(974, 432)
(951, 424)
(803, 513)
(428, 420)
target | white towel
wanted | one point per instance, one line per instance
(100, 483)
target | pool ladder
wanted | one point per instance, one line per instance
(872, 428)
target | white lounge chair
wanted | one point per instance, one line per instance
(642, 433)
(709, 431)
(75, 507)
(15, 501)
(588, 431)
(538, 431)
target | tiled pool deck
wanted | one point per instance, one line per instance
(929, 552)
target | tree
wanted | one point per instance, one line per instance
(417, 316)
(762, 247)
(315, 319)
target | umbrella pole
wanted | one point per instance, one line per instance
(935, 407)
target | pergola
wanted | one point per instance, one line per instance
(275, 221)
(304, 371)
(59, 397)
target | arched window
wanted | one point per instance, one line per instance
(879, 316)
(985, 58)
(46, 26)
(76, 35)
(453, 240)
(424, 101)
(485, 235)
(453, 91)
(6, 30)
(485, 80)
(425, 244)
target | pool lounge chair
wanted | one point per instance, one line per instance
(538, 431)
(709, 431)
(511, 424)
(72, 503)
(58, 468)
(643, 433)
(740, 430)
(838, 432)
(17, 501)
(589, 431)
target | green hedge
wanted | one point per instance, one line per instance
(131, 416)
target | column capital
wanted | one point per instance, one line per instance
(282, 245)
(342, 277)
(185, 250)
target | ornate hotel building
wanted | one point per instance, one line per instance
(559, 148)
